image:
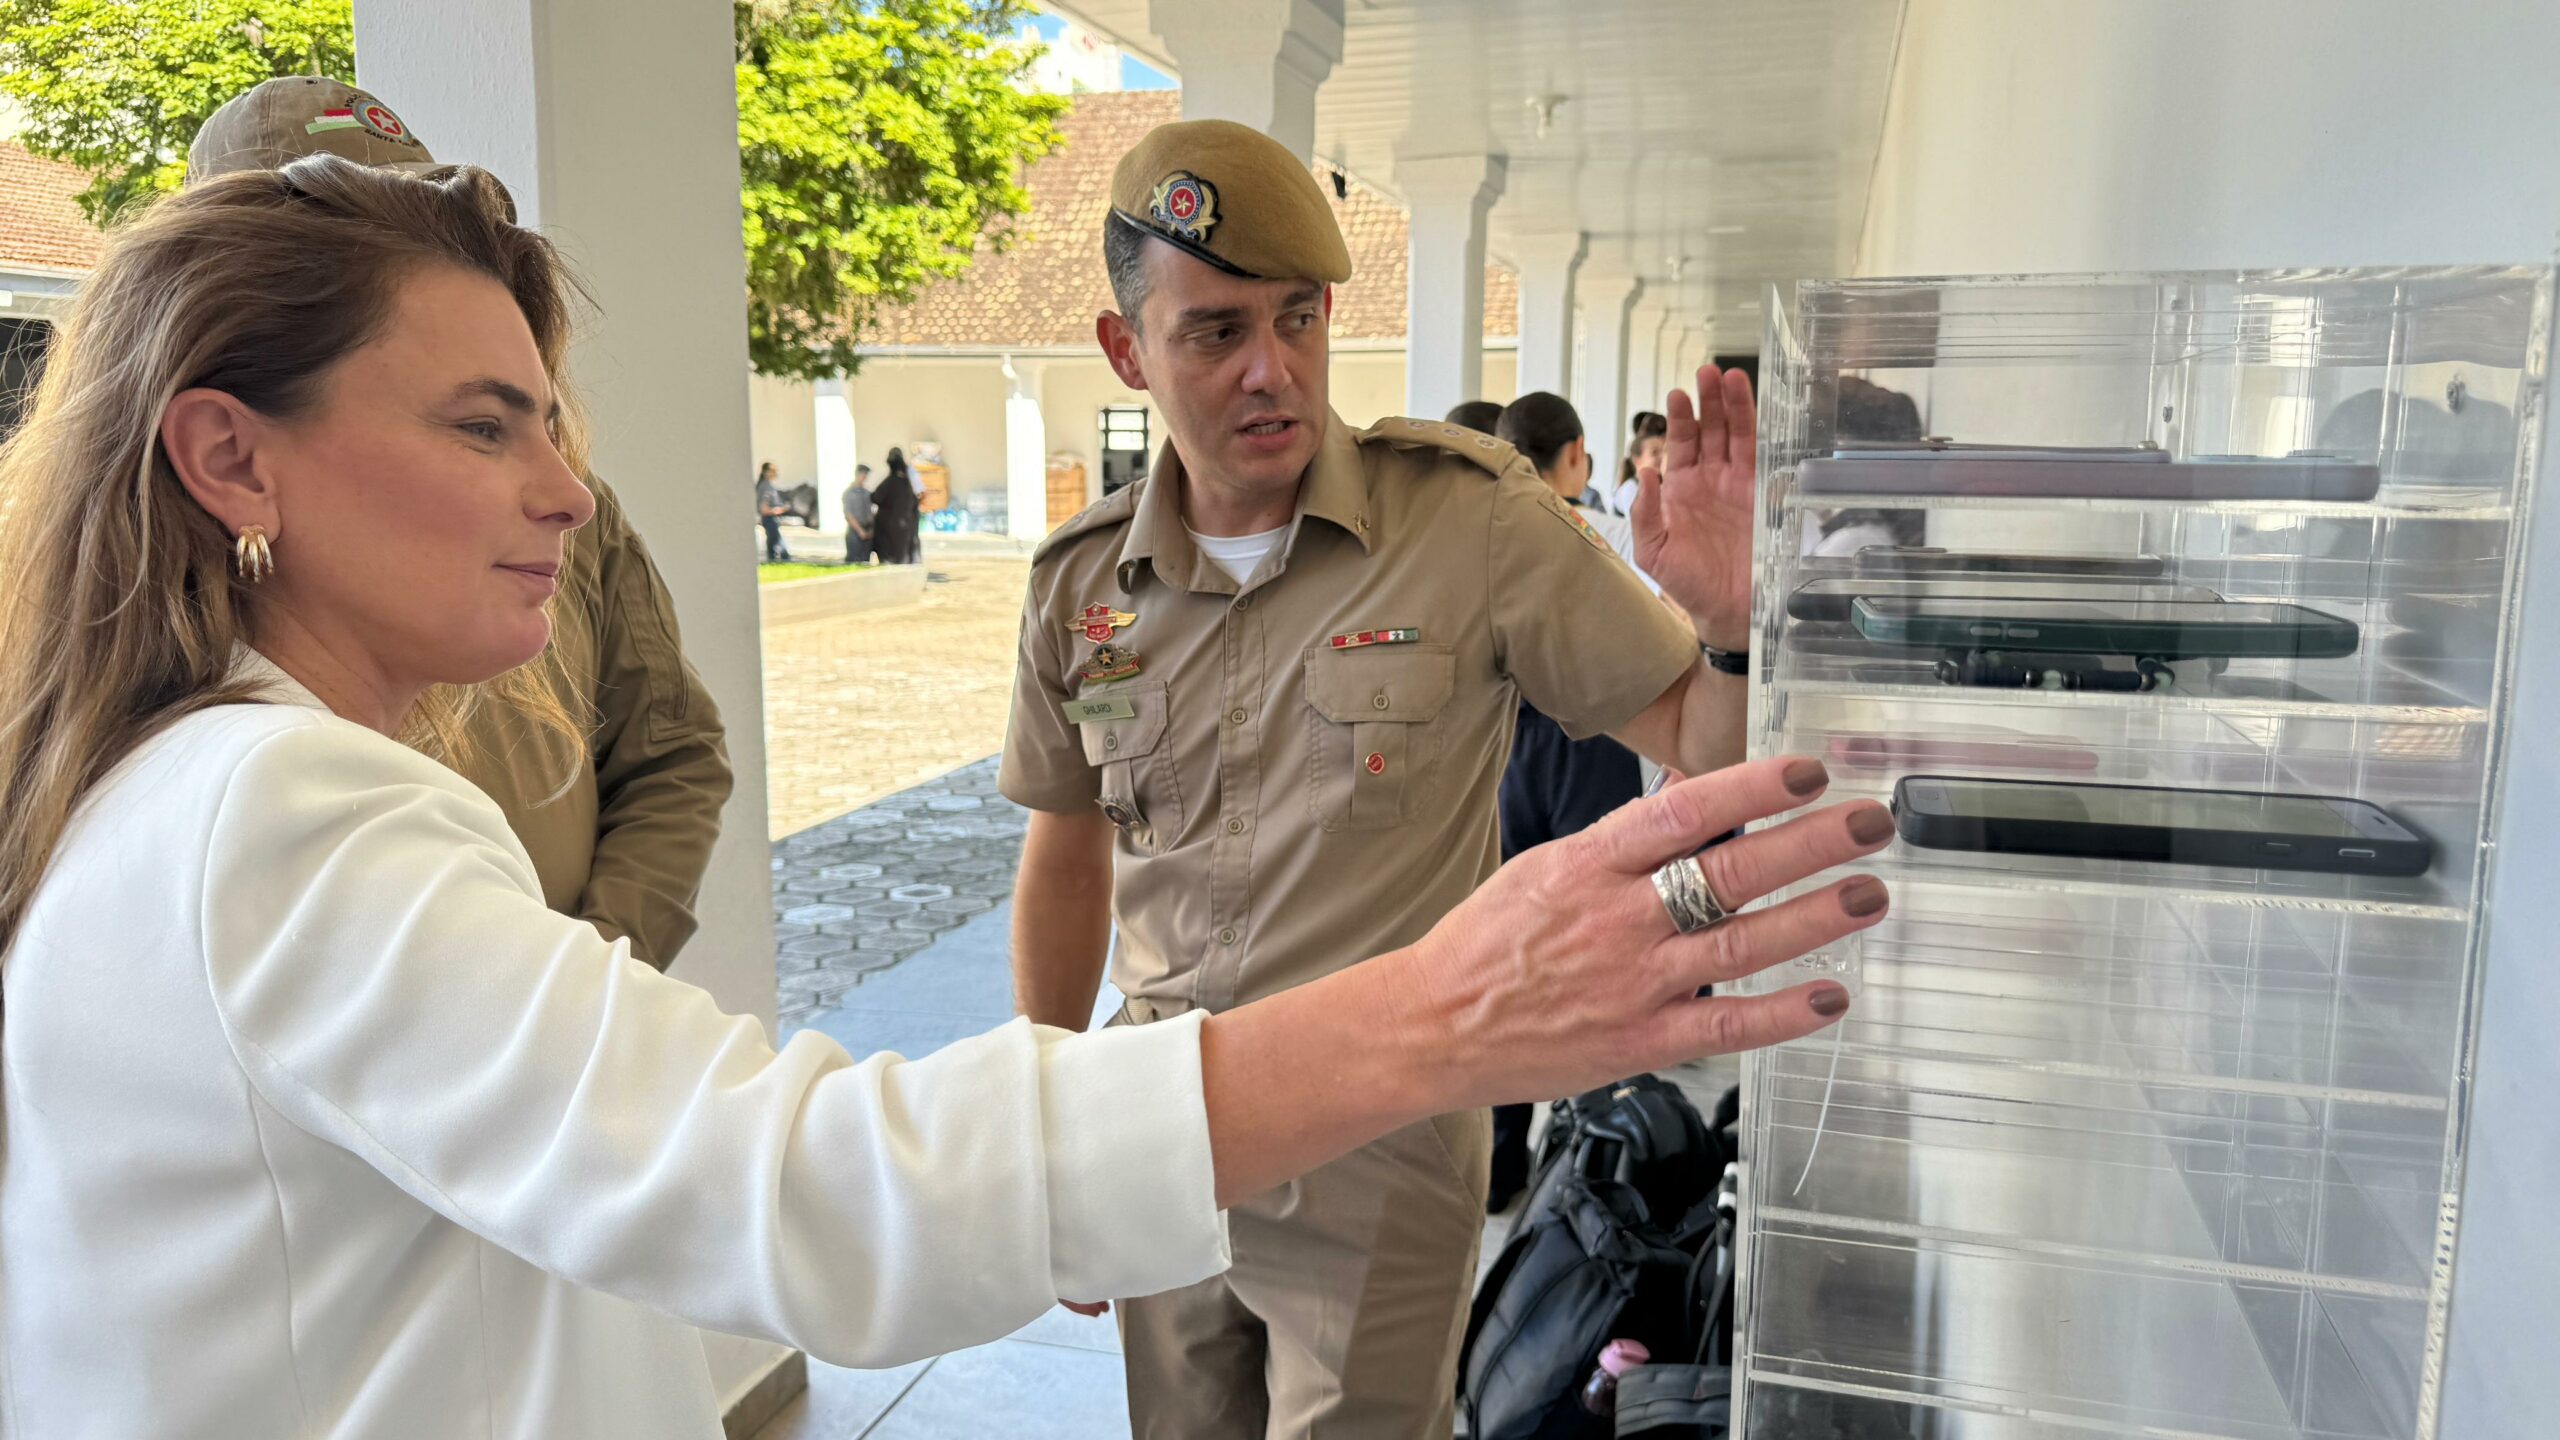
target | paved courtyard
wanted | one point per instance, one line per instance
(863, 706)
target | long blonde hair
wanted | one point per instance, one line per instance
(121, 613)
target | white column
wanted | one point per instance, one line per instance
(1606, 303)
(1644, 355)
(1026, 452)
(831, 412)
(1447, 198)
(1256, 62)
(1548, 264)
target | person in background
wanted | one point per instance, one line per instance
(1477, 415)
(896, 536)
(319, 1122)
(1547, 431)
(770, 510)
(624, 845)
(1644, 452)
(859, 516)
(1554, 785)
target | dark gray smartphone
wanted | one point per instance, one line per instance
(2244, 828)
(1828, 597)
(1933, 560)
(2154, 629)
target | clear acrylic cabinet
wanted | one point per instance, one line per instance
(2113, 1147)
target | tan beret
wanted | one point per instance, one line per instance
(280, 121)
(1231, 196)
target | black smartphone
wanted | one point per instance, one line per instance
(2153, 822)
(1828, 597)
(2153, 629)
(1934, 560)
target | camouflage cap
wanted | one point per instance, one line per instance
(1232, 197)
(282, 120)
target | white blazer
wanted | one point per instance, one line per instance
(319, 1124)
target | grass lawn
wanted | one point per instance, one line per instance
(771, 574)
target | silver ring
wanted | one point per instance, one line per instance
(1682, 884)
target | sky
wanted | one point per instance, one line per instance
(1135, 74)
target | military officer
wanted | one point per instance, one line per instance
(1262, 708)
(623, 845)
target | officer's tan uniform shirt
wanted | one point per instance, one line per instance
(1295, 806)
(625, 846)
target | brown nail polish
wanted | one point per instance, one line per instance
(1828, 1001)
(1863, 896)
(1803, 777)
(1871, 825)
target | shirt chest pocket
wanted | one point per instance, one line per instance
(1139, 792)
(1375, 732)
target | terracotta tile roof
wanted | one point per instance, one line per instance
(1046, 288)
(41, 227)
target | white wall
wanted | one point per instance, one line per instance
(1369, 385)
(959, 403)
(1072, 395)
(2024, 135)
(2191, 134)
(782, 429)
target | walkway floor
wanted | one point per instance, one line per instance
(913, 976)
(863, 706)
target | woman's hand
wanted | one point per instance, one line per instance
(1565, 972)
(1562, 973)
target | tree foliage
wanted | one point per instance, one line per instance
(878, 141)
(118, 87)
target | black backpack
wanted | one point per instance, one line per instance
(1606, 1248)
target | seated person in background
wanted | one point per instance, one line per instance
(1477, 415)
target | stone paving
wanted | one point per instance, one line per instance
(865, 705)
(863, 891)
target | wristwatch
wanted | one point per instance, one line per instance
(1729, 662)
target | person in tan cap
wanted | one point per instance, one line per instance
(1261, 712)
(624, 846)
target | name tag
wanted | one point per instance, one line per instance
(1081, 711)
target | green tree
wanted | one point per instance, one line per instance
(118, 87)
(878, 142)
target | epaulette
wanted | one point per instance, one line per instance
(1113, 509)
(1485, 452)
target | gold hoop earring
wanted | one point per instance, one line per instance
(251, 556)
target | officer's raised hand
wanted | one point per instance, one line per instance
(1693, 516)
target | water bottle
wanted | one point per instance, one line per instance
(1600, 1396)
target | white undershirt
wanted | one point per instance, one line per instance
(1238, 555)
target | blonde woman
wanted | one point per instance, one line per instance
(320, 1124)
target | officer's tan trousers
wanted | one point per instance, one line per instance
(1342, 1315)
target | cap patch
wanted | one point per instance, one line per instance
(377, 117)
(371, 116)
(1185, 205)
